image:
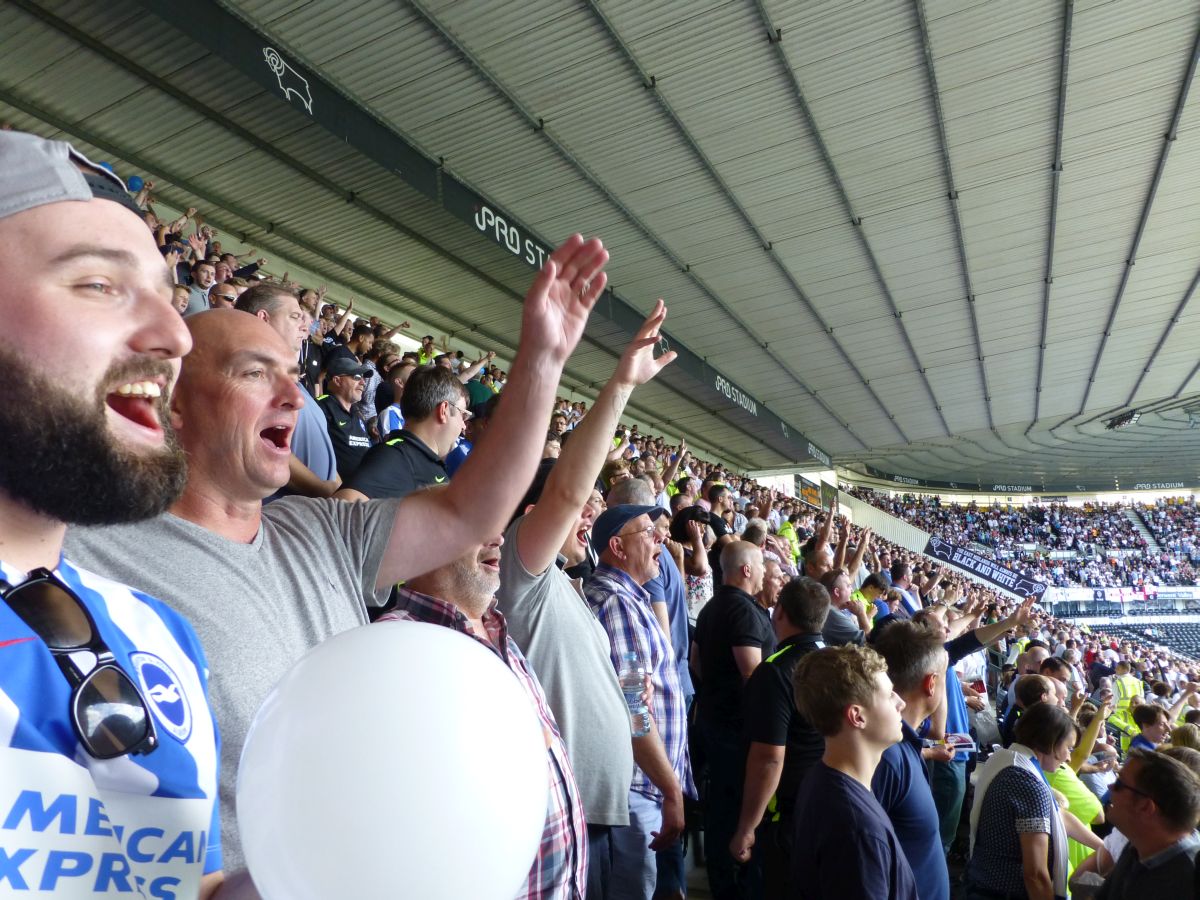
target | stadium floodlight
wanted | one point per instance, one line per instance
(1125, 420)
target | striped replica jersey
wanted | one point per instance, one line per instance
(74, 826)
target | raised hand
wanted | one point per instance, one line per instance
(1024, 612)
(198, 244)
(638, 365)
(561, 298)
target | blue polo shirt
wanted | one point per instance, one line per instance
(901, 785)
(667, 587)
(957, 720)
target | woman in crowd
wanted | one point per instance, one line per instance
(1018, 832)
(690, 528)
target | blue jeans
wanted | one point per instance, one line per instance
(634, 868)
(600, 861)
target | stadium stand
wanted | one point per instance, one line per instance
(211, 466)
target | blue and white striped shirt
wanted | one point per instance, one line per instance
(73, 825)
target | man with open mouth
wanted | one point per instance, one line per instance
(264, 585)
(105, 728)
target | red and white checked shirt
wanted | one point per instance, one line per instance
(560, 870)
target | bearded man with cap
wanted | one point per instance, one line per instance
(105, 727)
(347, 430)
(628, 545)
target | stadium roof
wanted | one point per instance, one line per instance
(901, 234)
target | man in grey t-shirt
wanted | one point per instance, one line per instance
(263, 587)
(554, 626)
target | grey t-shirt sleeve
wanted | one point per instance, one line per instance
(360, 530)
(517, 584)
(840, 628)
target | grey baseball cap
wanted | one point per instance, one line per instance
(35, 171)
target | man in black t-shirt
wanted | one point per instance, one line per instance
(434, 405)
(733, 635)
(347, 430)
(782, 745)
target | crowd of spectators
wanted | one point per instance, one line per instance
(297, 475)
(1093, 545)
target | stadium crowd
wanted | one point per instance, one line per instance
(1062, 545)
(251, 471)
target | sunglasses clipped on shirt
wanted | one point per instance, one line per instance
(109, 713)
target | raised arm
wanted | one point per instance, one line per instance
(669, 473)
(860, 552)
(614, 452)
(843, 544)
(434, 527)
(989, 634)
(469, 372)
(340, 325)
(392, 332)
(1088, 742)
(570, 482)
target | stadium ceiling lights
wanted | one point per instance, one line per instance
(1125, 420)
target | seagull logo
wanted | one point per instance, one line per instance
(165, 693)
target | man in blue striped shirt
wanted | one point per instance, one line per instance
(628, 546)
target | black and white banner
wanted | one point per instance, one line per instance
(985, 569)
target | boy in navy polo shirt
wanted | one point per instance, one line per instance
(844, 845)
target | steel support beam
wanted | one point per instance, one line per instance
(538, 124)
(1056, 168)
(952, 197)
(1168, 139)
(775, 38)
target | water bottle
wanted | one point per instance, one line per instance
(633, 684)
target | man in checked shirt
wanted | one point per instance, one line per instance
(626, 539)
(462, 595)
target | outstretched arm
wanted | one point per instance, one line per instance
(469, 372)
(434, 527)
(571, 480)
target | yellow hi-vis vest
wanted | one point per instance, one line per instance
(1125, 688)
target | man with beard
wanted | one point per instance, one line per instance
(264, 586)
(103, 714)
(549, 617)
(461, 595)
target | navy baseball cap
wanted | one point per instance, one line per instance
(344, 365)
(613, 519)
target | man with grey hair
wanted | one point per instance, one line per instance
(668, 600)
(312, 471)
(263, 586)
(629, 549)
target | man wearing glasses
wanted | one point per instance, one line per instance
(222, 296)
(105, 728)
(347, 430)
(434, 406)
(627, 541)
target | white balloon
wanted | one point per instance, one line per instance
(397, 760)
